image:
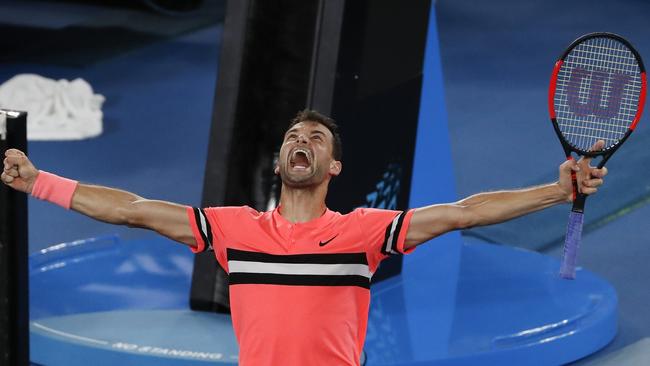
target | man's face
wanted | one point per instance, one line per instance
(306, 155)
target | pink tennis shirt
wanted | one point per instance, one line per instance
(299, 293)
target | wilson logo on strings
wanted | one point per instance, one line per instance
(596, 93)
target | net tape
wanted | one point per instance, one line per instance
(597, 92)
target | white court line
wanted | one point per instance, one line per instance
(64, 334)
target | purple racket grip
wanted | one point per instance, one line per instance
(571, 244)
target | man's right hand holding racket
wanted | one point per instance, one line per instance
(588, 178)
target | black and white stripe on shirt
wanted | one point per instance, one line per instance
(336, 269)
(204, 227)
(392, 234)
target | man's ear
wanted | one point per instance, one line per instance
(276, 170)
(335, 168)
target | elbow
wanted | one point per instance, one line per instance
(467, 218)
(474, 211)
(128, 215)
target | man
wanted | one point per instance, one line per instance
(300, 274)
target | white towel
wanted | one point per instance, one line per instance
(57, 110)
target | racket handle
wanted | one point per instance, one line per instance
(571, 244)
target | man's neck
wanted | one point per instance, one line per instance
(302, 204)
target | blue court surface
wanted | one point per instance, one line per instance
(113, 302)
(121, 296)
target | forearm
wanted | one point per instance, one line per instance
(495, 207)
(105, 204)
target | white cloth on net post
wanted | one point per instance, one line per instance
(57, 109)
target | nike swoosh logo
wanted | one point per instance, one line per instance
(324, 243)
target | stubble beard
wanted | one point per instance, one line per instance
(300, 181)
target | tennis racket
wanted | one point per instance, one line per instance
(597, 92)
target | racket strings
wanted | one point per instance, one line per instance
(597, 92)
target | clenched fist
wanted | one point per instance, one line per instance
(18, 173)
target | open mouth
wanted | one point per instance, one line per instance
(300, 159)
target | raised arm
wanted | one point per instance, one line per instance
(495, 207)
(105, 204)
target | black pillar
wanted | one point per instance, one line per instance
(359, 61)
(14, 286)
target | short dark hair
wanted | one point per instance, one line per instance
(315, 116)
